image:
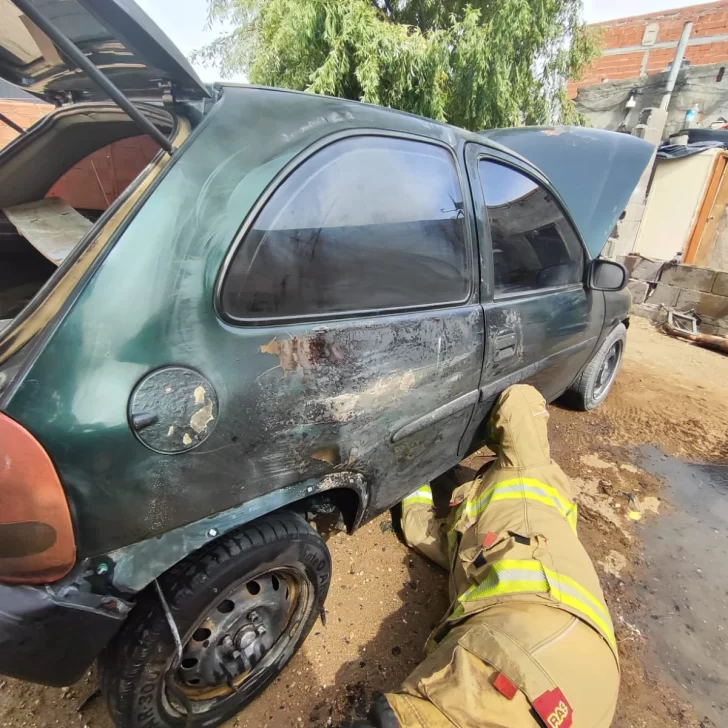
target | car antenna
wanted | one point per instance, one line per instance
(77, 56)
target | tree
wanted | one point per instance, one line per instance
(478, 64)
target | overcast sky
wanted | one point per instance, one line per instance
(184, 20)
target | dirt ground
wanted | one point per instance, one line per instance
(384, 599)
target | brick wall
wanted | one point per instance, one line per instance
(625, 56)
(657, 286)
(23, 113)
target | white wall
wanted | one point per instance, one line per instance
(675, 198)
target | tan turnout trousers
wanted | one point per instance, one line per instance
(528, 641)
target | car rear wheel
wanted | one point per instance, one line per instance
(591, 387)
(242, 606)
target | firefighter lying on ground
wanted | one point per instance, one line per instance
(528, 641)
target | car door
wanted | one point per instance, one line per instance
(541, 320)
(352, 304)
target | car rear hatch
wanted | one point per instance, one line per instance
(45, 49)
(115, 35)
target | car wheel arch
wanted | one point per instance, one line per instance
(131, 569)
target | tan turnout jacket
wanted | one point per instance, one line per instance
(528, 640)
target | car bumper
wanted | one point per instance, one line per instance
(47, 639)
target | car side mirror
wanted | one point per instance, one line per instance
(606, 275)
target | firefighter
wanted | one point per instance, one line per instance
(528, 641)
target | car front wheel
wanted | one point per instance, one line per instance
(591, 387)
(242, 607)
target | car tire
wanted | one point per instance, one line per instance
(245, 603)
(592, 386)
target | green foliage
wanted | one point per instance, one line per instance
(482, 64)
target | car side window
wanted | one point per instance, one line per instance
(367, 224)
(534, 245)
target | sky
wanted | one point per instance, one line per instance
(184, 21)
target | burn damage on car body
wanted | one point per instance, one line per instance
(171, 423)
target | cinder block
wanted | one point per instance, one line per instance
(628, 261)
(717, 323)
(688, 276)
(720, 284)
(708, 329)
(665, 295)
(646, 269)
(648, 311)
(688, 299)
(715, 307)
(639, 290)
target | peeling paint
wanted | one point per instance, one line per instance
(183, 404)
(304, 353)
(201, 418)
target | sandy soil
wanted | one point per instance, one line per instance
(384, 599)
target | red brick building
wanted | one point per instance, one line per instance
(645, 44)
(20, 107)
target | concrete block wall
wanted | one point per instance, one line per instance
(655, 284)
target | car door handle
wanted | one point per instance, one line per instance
(505, 345)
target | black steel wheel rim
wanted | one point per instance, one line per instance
(608, 370)
(232, 648)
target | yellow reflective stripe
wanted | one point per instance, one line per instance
(573, 517)
(506, 576)
(517, 495)
(563, 504)
(510, 576)
(422, 495)
(516, 488)
(554, 576)
(579, 606)
(452, 543)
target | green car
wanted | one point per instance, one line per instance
(229, 311)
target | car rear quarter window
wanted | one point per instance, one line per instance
(366, 224)
(534, 245)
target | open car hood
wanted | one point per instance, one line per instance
(594, 171)
(116, 35)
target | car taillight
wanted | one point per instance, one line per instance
(37, 545)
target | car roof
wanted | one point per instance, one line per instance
(591, 171)
(387, 114)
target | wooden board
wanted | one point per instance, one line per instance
(51, 226)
